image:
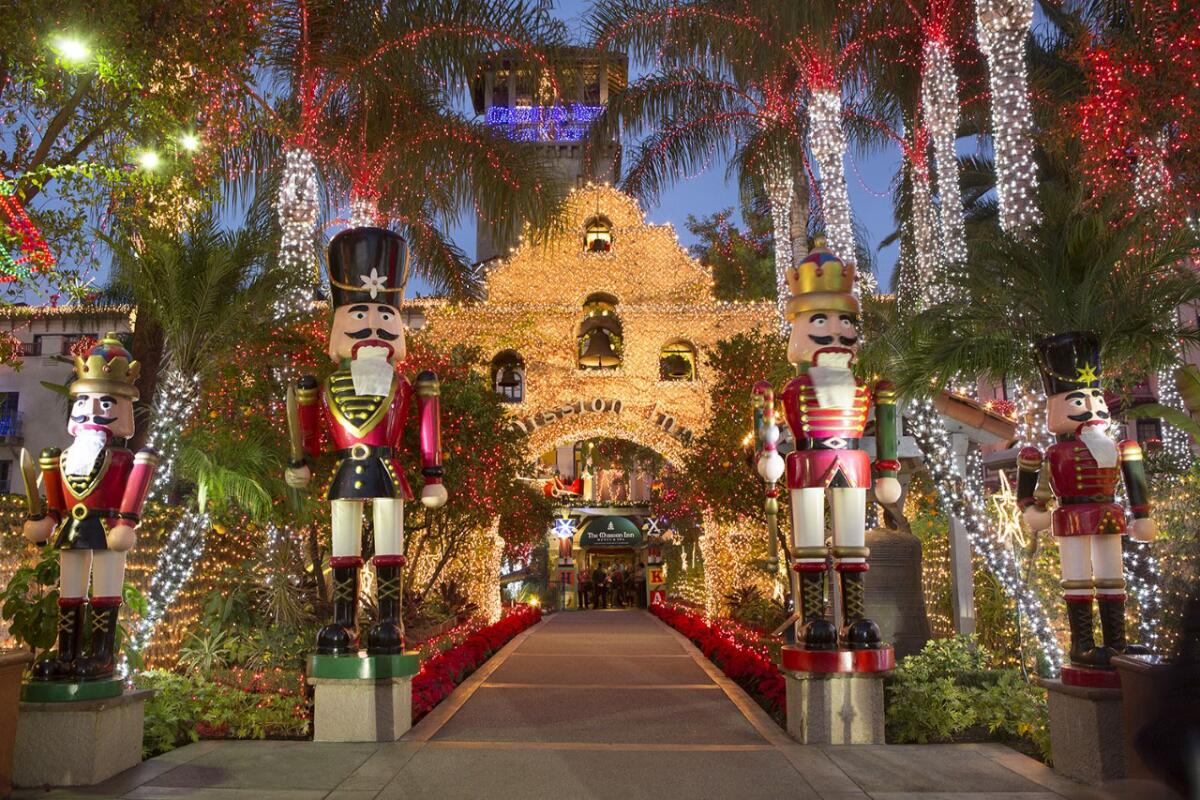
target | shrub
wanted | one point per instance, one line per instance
(947, 692)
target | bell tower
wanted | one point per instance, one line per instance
(552, 115)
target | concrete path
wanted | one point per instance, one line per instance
(597, 704)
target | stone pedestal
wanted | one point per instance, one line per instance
(78, 743)
(835, 707)
(361, 698)
(1086, 734)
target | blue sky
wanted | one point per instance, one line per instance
(868, 181)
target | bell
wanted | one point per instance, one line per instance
(676, 368)
(508, 378)
(599, 352)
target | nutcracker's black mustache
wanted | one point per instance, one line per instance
(367, 333)
(82, 418)
(846, 341)
(1087, 415)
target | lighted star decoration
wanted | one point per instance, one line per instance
(564, 528)
(1087, 374)
(651, 527)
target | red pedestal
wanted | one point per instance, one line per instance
(797, 659)
(1091, 678)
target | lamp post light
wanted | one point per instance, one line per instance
(72, 51)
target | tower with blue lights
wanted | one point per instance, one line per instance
(552, 115)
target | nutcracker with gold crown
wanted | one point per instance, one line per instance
(827, 407)
(360, 412)
(94, 494)
(1085, 465)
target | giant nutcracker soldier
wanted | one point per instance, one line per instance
(1085, 466)
(94, 495)
(826, 407)
(360, 411)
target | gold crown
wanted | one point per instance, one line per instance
(107, 369)
(821, 282)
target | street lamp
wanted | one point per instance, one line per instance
(189, 142)
(149, 160)
(71, 50)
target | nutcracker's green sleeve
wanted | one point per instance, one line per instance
(1133, 469)
(886, 463)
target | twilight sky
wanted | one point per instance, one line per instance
(868, 180)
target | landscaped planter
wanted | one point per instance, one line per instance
(12, 668)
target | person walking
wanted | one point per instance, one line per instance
(639, 584)
(585, 587)
(618, 586)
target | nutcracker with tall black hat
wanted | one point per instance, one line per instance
(1085, 465)
(360, 412)
(94, 495)
(827, 409)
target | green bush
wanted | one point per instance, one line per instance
(947, 692)
(235, 704)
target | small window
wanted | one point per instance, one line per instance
(677, 362)
(508, 376)
(500, 88)
(597, 236)
(5, 476)
(1149, 433)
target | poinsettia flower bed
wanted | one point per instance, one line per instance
(746, 662)
(445, 670)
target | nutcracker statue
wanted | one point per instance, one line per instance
(360, 412)
(94, 495)
(1084, 466)
(826, 407)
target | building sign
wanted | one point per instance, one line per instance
(671, 426)
(610, 532)
(597, 405)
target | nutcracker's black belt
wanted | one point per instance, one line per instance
(1093, 498)
(80, 511)
(828, 443)
(364, 451)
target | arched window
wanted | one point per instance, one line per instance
(508, 376)
(677, 361)
(597, 235)
(599, 340)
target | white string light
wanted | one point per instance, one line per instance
(1003, 26)
(364, 210)
(781, 192)
(180, 552)
(297, 213)
(175, 401)
(939, 102)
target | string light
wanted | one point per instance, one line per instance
(559, 123)
(940, 103)
(297, 208)
(174, 406)
(1003, 26)
(781, 192)
(828, 142)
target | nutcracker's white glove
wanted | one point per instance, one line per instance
(1038, 519)
(1144, 530)
(121, 537)
(434, 495)
(887, 490)
(38, 531)
(298, 477)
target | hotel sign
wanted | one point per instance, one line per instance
(597, 405)
(610, 532)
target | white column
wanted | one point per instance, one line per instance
(962, 577)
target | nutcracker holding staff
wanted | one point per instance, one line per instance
(360, 412)
(94, 495)
(1085, 465)
(827, 407)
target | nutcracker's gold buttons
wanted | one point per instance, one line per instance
(358, 484)
(358, 470)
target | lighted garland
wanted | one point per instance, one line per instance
(1003, 26)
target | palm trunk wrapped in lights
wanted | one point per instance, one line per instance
(175, 402)
(777, 179)
(364, 209)
(939, 103)
(922, 280)
(181, 551)
(297, 208)
(1003, 26)
(828, 142)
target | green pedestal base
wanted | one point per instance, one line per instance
(70, 692)
(365, 668)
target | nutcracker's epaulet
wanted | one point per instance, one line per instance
(306, 390)
(146, 456)
(885, 392)
(427, 384)
(1130, 450)
(49, 457)
(1030, 458)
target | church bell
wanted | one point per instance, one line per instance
(599, 352)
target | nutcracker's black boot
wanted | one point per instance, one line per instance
(858, 632)
(340, 637)
(386, 637)
(816, 633)
(1084, 652)
(106, 612)
(61, 665)
(1112, 626)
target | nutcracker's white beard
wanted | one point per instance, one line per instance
(371, 372)
(833, 380)
(1095, 437)
(81, 456)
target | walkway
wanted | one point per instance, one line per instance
(603, 704)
